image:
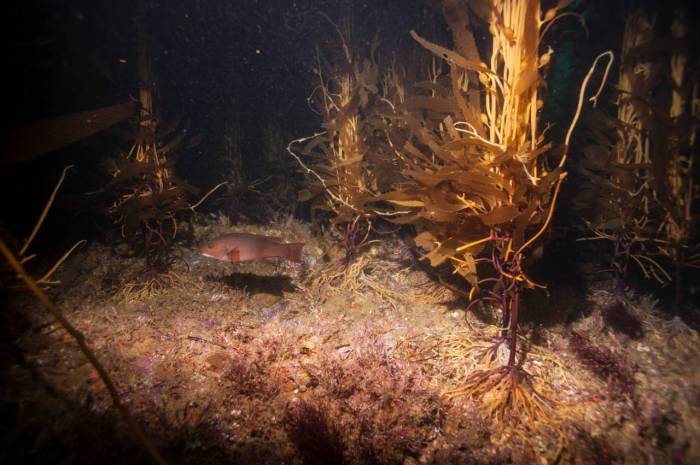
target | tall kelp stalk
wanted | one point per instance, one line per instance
(351, 159)
(27, 142)
(616, 196)
(148, 193)
(247, 195)
(642, 162)
(234, 195)
(477, 183)
(674, 129)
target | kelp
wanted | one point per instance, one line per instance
(483, 156)
(475, 182)
(617, 198)
(27, 142)
(351, 161)
(336, 156)
(641, 161)
(674, 134)
(21, 252)
(146, 194)
(462, 158)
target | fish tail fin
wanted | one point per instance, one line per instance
(294, 251)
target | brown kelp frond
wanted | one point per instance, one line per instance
(42, 217)
(352, 160)
(473, 178)
(674, 151)
(40, 137)
(476, 177)
(146, 194)
(46, 278)
(21, 253)
(618, 162)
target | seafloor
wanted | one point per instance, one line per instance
(264, 363)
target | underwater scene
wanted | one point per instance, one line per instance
(344, 232)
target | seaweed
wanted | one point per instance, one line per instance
(616, 197)
(8, 278)
(640, 191)
(352, 159)
(316, 438)
(147, 195)
(476, 185)
(604, 363)
(617, 317)
(468, 156)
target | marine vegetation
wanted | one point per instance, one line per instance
(474, 180)
(7, 279)
(38, 138)
(15, 262)
(477, 182)
(357, 91)
(351, 160)
(148, 195)
(641, 192)
(441, 310)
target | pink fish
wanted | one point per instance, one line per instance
(241, 247)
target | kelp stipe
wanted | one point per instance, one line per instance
(477, 186)
(640, 163)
